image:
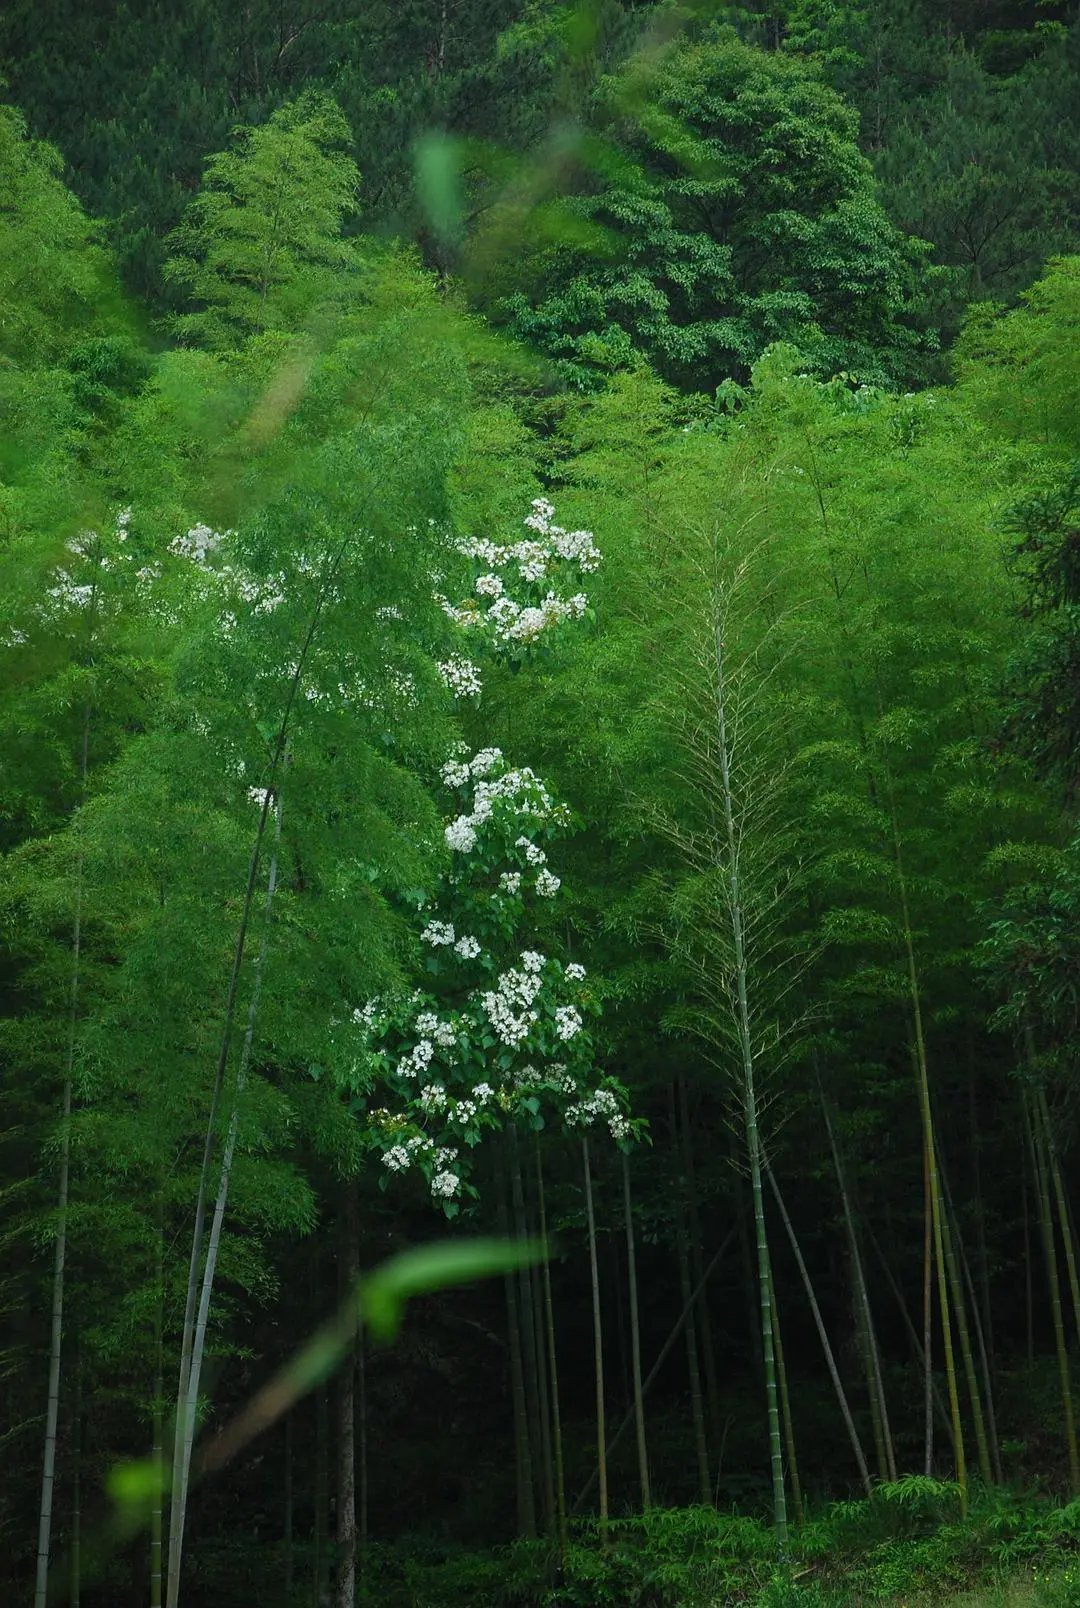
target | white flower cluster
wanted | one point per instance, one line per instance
(559, 1079)
(510, 881)
(520, 791)
(433, 1097)
(429, 1026)
(535, 557)
(397, 1158)
(575, 972)
(437, 933)
(509, 1006)
(417, 1060)
(567, 1021)
(600, 1106)
(468, 948)
(455, 774)
(461, 676)
(199, 543)
(574, 546)
(445, 1185)
(547, 884)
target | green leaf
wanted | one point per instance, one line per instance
(438, 1266)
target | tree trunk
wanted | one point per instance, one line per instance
(526, 1510)
(1050, 1251)
(664, 1353)
(749, 1096)
(819, 1324)
(697, 1263)
(56, 1329)
(598, 1347)
(635, 1340)
(876, 1384)
(785, 1409)
(195, 1334)
(76, 1490)
(349, 1267)
(553, 1365)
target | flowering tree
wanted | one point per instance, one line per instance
(503, 1032)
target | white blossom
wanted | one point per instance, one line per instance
(468, 948)
(397, 1158)
(445, 1185)
(461, 676)
(461, 835)
(510, 881)
(532, 961)
(437, 933)
(533, 853)
(575, 972)
(454, 773)
(547, 884)
(567, 1021)
(433, 1097)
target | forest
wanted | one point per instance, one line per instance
(539, 803)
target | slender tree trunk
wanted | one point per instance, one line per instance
(56, 1329)
(76, 1489)
(697, 1405)
(361, 1368)
(975, 1142)
(543, 1399)
(984, 1354)
(662, 1357)
(1064, 1222)
(187, 1415)
(819, 1324)
(937, 1402)
(598, 1346)
(526, 1510)
(1029, 1294)
(635, 1339)
(321, 1493)
(697, 1262)
(184, 1431)
(749, 1094)
(349, 1268)
(530, 1362)
(157, 1455)
(960, 1308)
(288, 1516)
(1050, 1251)
(553, 1365)
(928, 1320)
(785, 1409)
(876, 1381)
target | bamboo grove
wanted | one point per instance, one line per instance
(543, 716)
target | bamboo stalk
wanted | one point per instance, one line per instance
(876, 1383)
(662, 1357)
(826, 1345)
(635, 1339)
(56, 1325)
(1050, 1253)
(598, 1347)
(785, 1410)
(549, 1324)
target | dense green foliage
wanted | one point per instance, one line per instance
(539, 701)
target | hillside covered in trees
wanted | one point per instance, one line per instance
(539, 787)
